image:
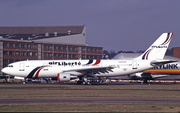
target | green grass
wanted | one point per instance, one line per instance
(61, 90)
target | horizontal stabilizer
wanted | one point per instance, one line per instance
(161, 62)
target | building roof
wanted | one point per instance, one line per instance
(38, 32)
(41, 29)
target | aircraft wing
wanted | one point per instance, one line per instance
(91, 71)
(161, 62)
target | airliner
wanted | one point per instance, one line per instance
(65, 70)
(170, 71)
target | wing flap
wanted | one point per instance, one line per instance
(91, 70)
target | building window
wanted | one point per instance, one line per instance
(23, 46)
(100, 57)
(49, 54)
(91, 56)
(74, 56)
(11, 53)
(59, 55)
(29, 53)
(100, 50)
(11, 45)
(17, 60)
(34, 46)
(83, 56)
(17, 46)
(74, 48)
(64, 55)
(83, 49)
(55, 55)
(92, 50)
(34, 54)
(64, 48)
(45, 47)
(59, 48)
(69, 48)
(50, 47)
(69, 56)
(17, 53)
(5, 62)
(96, 50)
(11, 60)
(87, 49)
(5, 53)
(23, 53)
(55, 48)
(5, 44)
(29, 46)
(45, 54)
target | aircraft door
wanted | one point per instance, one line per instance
(134, 65)
(22, 67)
(46, 66)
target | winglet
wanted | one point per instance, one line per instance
(158, 49)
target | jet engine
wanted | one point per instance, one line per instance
(65, 77)
(142, 75)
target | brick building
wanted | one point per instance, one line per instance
(176, 52)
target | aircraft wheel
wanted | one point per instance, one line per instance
(84, 83)
(88, 83)
(24, 82)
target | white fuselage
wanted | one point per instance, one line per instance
(50, 68)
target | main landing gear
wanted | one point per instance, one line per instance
(83, 80)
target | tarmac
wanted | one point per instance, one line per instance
(29, 100)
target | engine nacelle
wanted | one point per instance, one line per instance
(65, 77)
(141, 75)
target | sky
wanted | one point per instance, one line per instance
(128, 25)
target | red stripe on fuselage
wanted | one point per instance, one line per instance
(97, 62)
(37, 74)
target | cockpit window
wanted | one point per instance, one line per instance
(10, 65)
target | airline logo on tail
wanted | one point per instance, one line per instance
(160, 46)
(145, 56)
(168, 39)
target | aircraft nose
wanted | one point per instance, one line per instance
(5, 70)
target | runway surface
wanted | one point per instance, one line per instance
(29, 100)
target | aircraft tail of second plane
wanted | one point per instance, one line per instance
(158, 49)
